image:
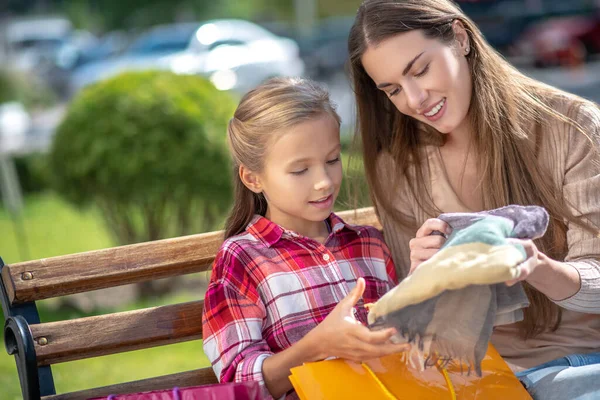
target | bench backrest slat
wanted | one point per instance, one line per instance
(60, 276)
(77, 339)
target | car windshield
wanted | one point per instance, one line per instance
(163, 40)
(38, 43)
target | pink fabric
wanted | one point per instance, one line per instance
(238, 391)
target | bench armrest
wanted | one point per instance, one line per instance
(19, 342)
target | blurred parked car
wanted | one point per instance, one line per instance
(234, 54)
(329, 47)
(32, 42)
(504, 22)
(79, 49)
(564, 41)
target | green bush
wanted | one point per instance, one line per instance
(149, 148)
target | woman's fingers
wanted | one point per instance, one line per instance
(417, 257)
(427, 242)
(432, 225)
(429, 239)
(522, 275)
(531, 262)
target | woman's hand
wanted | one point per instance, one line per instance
(341, 335)
(534, 259)
(426, 244)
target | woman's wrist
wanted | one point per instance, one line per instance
(542, 271)
(557, 280)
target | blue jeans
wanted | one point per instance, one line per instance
(574, 377)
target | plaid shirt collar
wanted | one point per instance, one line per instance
(270, 233)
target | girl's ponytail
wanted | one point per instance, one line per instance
(246, 204)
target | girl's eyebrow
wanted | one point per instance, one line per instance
(303, 159)
(406, 69)
(299, 160)
(337, 147)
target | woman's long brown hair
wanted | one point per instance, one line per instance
(508, 110)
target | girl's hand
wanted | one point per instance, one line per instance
(341, 335)
(425, 245)
(533, 260)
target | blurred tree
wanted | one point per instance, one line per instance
(104, 15)
(28, 90)
(149, 148)
(330, 8)
(84, 14)
(16, 6)
(118, 14)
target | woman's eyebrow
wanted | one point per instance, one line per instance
(410, 64)
(408, 67)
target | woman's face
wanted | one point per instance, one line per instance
(424, 78)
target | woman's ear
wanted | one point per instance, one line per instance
(250, 179)
(461, 38)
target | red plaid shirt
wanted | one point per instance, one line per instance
(270, 286)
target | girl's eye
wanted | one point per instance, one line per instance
(333, 161)
(300, 172)
(423, 71)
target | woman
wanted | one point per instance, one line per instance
(447, 125)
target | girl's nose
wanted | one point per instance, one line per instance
(323, 183)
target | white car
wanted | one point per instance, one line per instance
(32, 41)
(234, 54)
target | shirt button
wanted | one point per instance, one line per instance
(326, 257)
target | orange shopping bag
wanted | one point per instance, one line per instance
(392, 377)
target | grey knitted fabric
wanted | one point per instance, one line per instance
(456, 325)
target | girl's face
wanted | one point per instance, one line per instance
(424, 78)
(302, 175)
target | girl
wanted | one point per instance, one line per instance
(289, 283)
(448, 125)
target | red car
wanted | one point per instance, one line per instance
(566, 41)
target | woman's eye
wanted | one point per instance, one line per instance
(333, 161)
(423, 71)
(394, 92)
(299, 172)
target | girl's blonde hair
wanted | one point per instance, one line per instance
(262, 115)
(508, 110)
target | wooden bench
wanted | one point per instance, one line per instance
(37, 345)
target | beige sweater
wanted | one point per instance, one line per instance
(576, 169)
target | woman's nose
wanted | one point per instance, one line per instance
(415, 97)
